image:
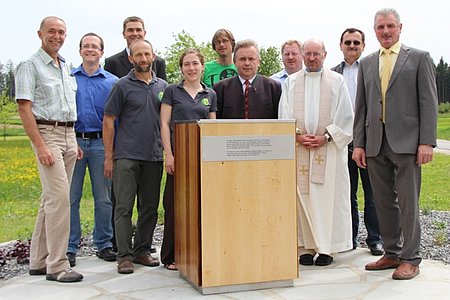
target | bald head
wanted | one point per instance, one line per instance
(314, 53)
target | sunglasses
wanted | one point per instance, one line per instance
(356, 43)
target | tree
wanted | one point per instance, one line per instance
(183, 40)
(270, 61)
(443, 81)
(10, 84)
(7, 109)
(2, 79)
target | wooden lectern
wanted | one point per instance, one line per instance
(235, 204)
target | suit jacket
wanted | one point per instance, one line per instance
(119, 65)
(411, 104)
(339, 68)
(263, 98)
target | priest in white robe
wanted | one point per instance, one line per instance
(319, 100)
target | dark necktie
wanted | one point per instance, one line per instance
(247, 85)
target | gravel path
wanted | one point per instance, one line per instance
(435, 243)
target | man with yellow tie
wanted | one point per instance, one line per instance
(394, 134)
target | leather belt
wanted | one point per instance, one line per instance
(89, 135)
(55, 123)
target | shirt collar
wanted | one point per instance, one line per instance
(80, 69)
(46, 58)
(394, 48)
(242, 80)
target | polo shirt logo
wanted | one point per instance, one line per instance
(160, 95)
(205, 101)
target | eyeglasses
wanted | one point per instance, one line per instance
(91, 46)
(314, 54)
(348, 43)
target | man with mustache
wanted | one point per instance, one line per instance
(292, 60)
(134, 155)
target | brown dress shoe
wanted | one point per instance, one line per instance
(124, 266)
(146, 260)
(383, 264)
(406, 271)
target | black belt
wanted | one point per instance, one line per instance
(55, 123)
(89, 135)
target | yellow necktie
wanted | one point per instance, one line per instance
(386, 70)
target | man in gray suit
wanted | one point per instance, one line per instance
(394, 134)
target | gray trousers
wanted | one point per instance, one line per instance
(127, 176)
(396, 180)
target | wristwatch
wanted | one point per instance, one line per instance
(328, 137)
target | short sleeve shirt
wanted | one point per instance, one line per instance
(185, 108)
(215, 72)
(50, 88)
(136, 105)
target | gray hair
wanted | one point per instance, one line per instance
(386, 12)
(246, 44)
(317, 41)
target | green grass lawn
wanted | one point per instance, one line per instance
(20, 190)
(443, 127)
(20, 186)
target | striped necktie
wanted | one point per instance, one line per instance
(247, 85)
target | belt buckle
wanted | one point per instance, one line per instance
(83, 137)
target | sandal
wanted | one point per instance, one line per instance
(171, 267)
(67, 275)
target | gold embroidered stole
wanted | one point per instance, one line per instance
(320, 154)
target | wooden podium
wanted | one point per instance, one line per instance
(235, 204)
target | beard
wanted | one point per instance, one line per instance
(141, 69)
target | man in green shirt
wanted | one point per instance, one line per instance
(223, 67)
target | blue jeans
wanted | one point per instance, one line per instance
(93, 159)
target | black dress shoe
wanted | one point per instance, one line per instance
(376, 249)
(107, 254)
(323, 260)
(152, 249)
(72, 259)
(306, 259)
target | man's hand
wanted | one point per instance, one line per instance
(108, 167)
(424, 154)
(79, 153)
(311, 141)
(359, 156)
(44, 155)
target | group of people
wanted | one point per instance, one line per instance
(373, 117)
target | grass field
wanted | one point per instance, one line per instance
(443, 128)
(20, 186)
(20, 190)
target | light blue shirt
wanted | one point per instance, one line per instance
(50, 88)
(280, 76)
(350, 73)
(92, 93)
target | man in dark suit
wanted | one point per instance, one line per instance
(247, 95)
(394, 134)
(352, 45)
(119, 64)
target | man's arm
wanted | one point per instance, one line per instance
(108, 142)
(45, 156)
(428, 106)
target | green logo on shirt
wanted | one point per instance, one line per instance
(160, 95)
(205, 101)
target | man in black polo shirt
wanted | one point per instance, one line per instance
(136, 157)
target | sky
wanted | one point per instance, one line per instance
(269, 23)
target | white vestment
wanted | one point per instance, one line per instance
(324, 215)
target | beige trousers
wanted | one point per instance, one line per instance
(52, 228)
